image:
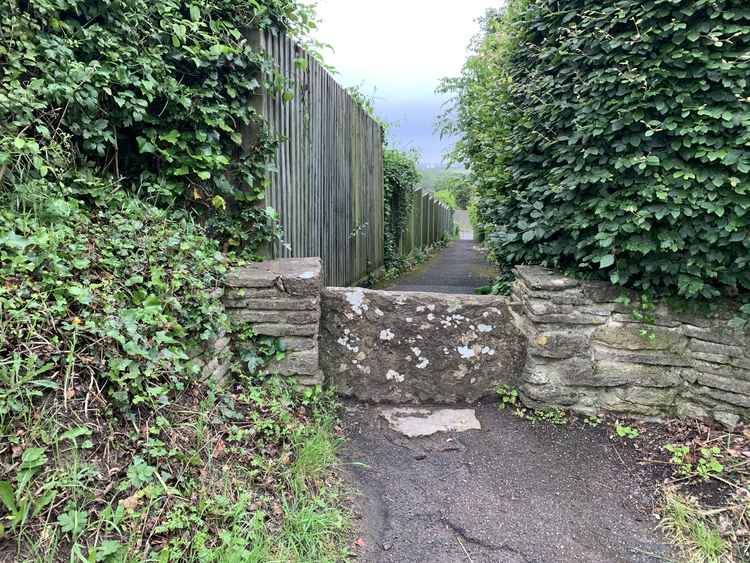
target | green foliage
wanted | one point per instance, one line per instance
(401, 178)
(704, 463)
(624, 431)
(433, 179)
(120, 293)
(611, 138)
(508, 397)
(131, 164)
(446, 197)
(503, 284)
(455, 190)
(155, 96)
(594, 421)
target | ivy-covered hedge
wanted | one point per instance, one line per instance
(154, 95)
(613, 138)
(401, 178)
(122, 177)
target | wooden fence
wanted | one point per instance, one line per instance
(328, 183)
(429, 222)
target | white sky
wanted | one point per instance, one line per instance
(399, 50)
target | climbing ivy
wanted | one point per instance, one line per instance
(611, 138)
(401, 178)
(154, 95)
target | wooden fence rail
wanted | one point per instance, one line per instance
(328, 183)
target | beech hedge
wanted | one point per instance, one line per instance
(612, 139)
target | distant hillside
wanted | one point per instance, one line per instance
(432, 178)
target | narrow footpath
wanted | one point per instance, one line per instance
(459, 268)
(512, 491)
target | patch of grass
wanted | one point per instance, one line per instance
(690, 529)
(244, 474)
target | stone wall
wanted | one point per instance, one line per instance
(214, 358)
(403, 347)
(562, 342)
(281, 298)
(590, 350)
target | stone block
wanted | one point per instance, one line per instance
(310, 380)
(629, 337)
(735, 399)
(570, 372)
(572, 318)
(602, 352)
(642, 401)
(279, 304)
(418, 347)
(717, 335)
(294, 276)
(279, 329)
(296, 363)
(538, 278)
(283, 317)
(716, 349)
(725, 370)
(238, 297)
(541, 396)
(297, 344)
(724, 383)
(609, 373)
(559, 344)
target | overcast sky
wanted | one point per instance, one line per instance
(399, 50)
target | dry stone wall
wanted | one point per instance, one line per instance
(562, 342)
(281, 299)
(590, 350)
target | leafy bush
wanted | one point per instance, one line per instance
(128, 184)
(121, 293)
(611, 138)
(455, 190)
(156, 95)
(401, 178)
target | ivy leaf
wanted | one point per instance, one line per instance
(81, 294)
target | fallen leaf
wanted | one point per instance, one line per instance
(131, 503)
(219, 448)
(360, 542)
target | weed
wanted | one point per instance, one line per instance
(624, 431)
(705, 466)
(690, 529)
(508, 397)
(593, 421)
(552, 415)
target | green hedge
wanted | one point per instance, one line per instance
(153, 95)
(613, 138)
(122, 180)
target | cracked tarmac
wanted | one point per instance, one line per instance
(514, 491)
